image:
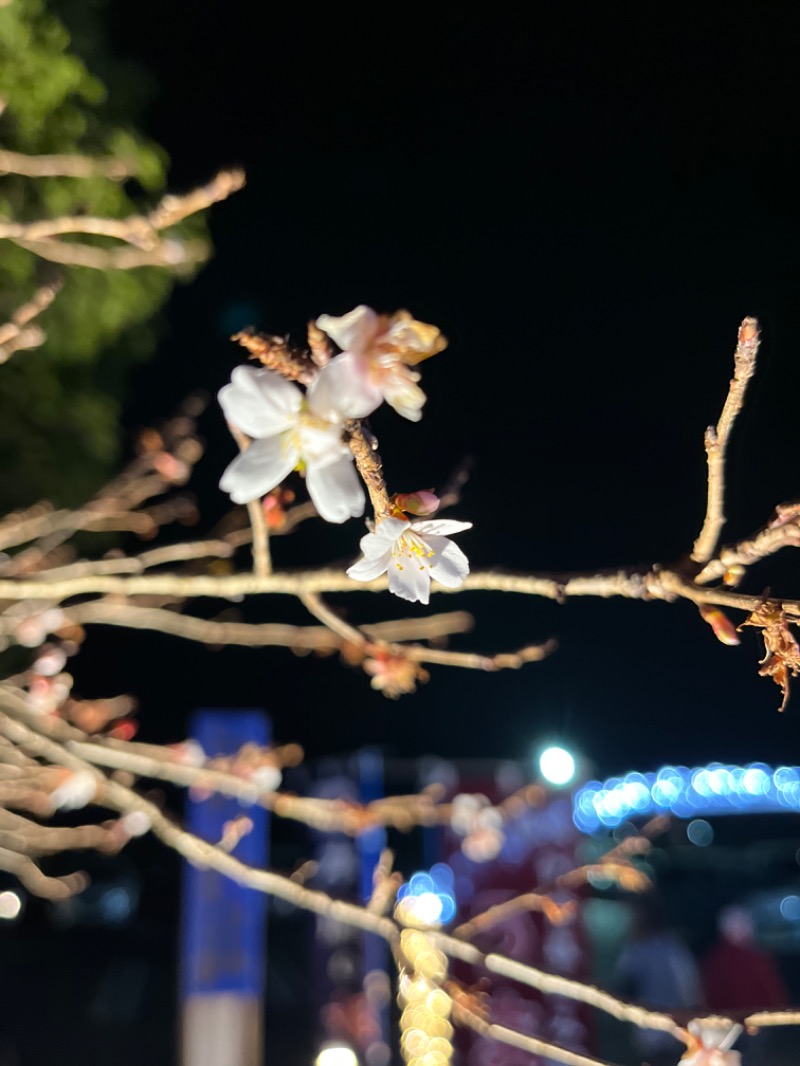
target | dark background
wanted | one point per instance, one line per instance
(587, 199)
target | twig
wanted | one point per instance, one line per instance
(17, 334)
(772, 1018)
(776, 536)
(533, 653)
(262, 560)
(315, 606)
(62, 166)
(432, 627)
(157, 619)
(717, 440)
(471, 1019)
(172, 254)
(143, 244)
(554, 984)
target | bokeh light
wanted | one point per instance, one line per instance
(428, 897)
(10, 905)
(337, 1055)
(557, 766)
(688, 793)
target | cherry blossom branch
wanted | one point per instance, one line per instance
(716, 440)
(17, 333)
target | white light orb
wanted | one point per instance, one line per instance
(557, 765)
(337, 1055)
(10, 905)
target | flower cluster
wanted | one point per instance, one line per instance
(295, 430)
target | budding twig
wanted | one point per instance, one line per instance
(717, 440)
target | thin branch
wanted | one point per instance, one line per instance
(312, 638)
(524, 904)
(157, 619)
(772, 1018)
(143, 244)
(532, 653)
(262, 560)
(170, 253)
(554, 984)
(62, 166)
(431, 627)
(17, 333)
(474, 1019)
(315, 606)
(782, 532)
(29, 874)
(717, 440)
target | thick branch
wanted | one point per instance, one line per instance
(369, 467)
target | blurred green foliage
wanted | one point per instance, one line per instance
(59, 405)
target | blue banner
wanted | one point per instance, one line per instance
(223, 941)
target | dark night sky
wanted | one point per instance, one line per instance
(587, 199)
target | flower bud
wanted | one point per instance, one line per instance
(422, 502)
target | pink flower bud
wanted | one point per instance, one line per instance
(422, 502)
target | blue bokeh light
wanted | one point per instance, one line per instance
(688, 793)
(439, 881)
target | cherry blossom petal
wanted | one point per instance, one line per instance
(335, 490)
(386, 532)
(409, 580)
(439, 527)
(260, 402)
(406, 397)
(257, 471)
(343, 390)
(449, 564)
(380, 543)
(321, 442)
(366, 569)
(354, 331)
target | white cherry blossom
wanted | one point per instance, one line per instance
(378, 353)
(715, 1036)
(412, 553)
(291, 430)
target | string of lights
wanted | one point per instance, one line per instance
(715, 789)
